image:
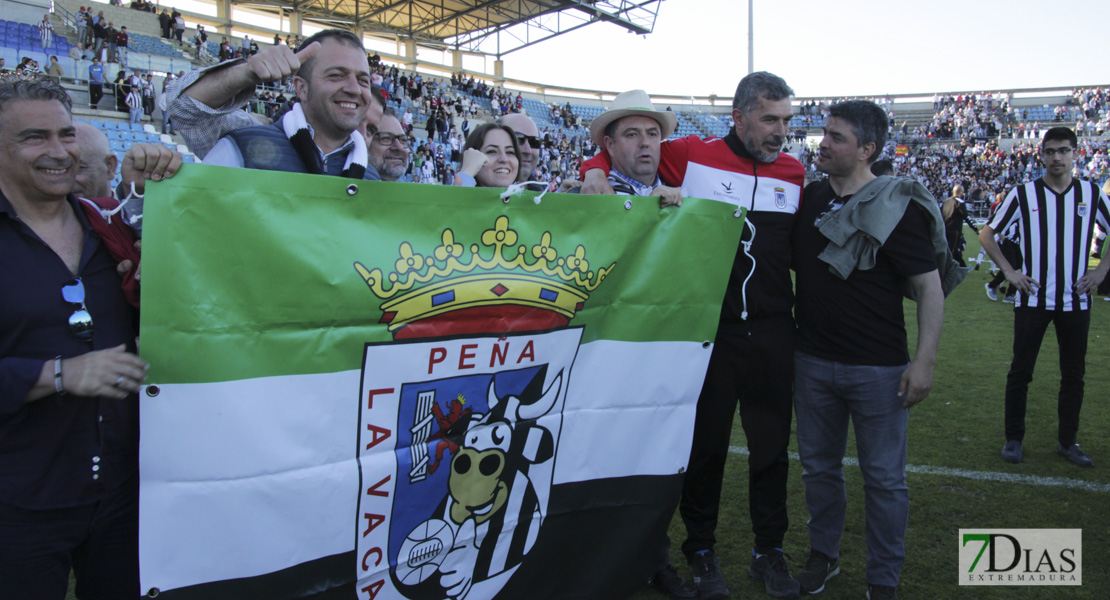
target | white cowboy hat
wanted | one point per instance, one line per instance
(633, 102)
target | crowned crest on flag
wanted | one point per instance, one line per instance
(473, 386)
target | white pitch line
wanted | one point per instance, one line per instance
(1076, 484)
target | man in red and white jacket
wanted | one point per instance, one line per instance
(753, 357)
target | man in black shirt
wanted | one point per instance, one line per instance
(851, 358)
(68, 369)
(165, 21)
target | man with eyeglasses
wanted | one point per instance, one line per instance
(1056, 216)
(389, 149)
(68, 369)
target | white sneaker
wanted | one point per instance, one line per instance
(991, 292)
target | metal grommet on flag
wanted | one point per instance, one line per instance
(738, 213)
(705, 344)
(152, 593)
(627, 205)
(352, 190)
(152, 390)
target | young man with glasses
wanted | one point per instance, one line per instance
(68, 369)
(1056, 216)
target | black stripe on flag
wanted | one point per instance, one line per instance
(327, 578)
(601, 539)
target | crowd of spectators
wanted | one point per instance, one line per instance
(97, 37)
(812, 113)
(974, 161)
(1093, 113)
(144, 6)
(981, 167)
(27, 68)
(970, 115)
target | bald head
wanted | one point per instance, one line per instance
(529, 148)
(98, 164)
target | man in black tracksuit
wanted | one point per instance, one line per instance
(753, 358)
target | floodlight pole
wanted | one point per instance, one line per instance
(751, 38)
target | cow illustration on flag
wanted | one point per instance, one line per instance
(411, 392)
(479, 382)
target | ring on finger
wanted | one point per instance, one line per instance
(119, 380)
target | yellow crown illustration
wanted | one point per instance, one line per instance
(423, 287)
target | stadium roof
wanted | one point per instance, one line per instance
(495, 27)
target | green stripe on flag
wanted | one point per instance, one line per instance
(251, 273)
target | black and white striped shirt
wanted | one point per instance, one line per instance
(1055, 231)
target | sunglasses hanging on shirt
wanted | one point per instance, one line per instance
(80, 322)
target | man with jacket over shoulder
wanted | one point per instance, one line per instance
(860, 242)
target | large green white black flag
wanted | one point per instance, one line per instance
(379, 390)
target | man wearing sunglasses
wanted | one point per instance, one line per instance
(527, 136)
(68, 369)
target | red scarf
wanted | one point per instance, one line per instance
(118, 238)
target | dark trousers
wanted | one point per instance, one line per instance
(953, 237)
(1030, 325)
(1012, 252)
(756, 370)
(100, 542)
(96, 92)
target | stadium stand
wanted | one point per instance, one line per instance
(563, 122)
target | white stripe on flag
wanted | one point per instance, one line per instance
(246, 477)
(647, 423)
(249, 477)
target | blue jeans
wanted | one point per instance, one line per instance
(826, 395)
(136, 114)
